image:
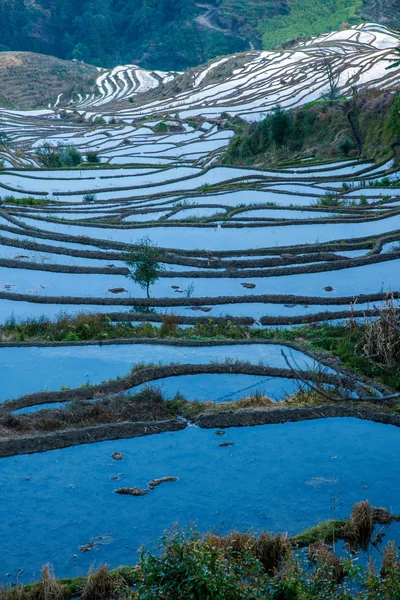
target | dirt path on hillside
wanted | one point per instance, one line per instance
(209, 18)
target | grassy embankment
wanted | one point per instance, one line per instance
(359, 346)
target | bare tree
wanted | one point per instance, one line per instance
(333, 78)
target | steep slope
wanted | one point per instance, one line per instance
(246, 84)
(33, 80)
(386, 12)
(253, 83)
(179, 34)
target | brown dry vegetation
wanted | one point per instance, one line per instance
(31, 80)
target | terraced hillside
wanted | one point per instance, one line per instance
(251, 83)
(242, 257)
(51, 76)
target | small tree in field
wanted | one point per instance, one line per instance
(144, 264)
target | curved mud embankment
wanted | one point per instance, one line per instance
(245, 418)
(147, 375)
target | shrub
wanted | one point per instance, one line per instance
(161, 127)
(70, 156)
(360, 525)
(48, 588)
(329, 199)
(102, 584)
(346, 145)
(89, 198)
(92, 157)
(191, 567)
(55, 157)
(380, 340)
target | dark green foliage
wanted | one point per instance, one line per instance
(55, 157)
(346, 145)
(257, 138)
(161, 127)
(89, 198)
(321, 130)
(395, 64)
(158, 34)
(330, 199)
(280, 125)
(92, 157)
(144, 264)
(191, 567)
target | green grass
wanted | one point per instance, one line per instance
(29, 201)
(328, 531)
(309, 17)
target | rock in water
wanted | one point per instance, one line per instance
(118, 456)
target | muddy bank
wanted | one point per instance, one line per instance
(88, 435)
(247, 418)
(222, 420)
(201, 301)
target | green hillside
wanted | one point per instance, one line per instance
(309, 17)
(173, 34)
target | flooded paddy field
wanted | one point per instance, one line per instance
(200, 375)
(274, 478)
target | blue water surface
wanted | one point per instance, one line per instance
(50, 368)
(282, 477)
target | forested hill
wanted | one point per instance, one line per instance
(161, 34)
(174, 34)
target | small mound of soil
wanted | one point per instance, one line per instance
(155, 482)
(118, 456)
(134, 491)
(248, 286)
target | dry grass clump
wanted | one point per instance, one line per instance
(323, 556)
(381, 336)
(102, 584)
(258, 398)
(16, 592)
(382, 516)
(305, 398)
(270, 550)
(390, 559)
(146, 405)
(48, 588)
(235, 541)
(169, 324)
(360, 525)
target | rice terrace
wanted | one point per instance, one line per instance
(199, 317)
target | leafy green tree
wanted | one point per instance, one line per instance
(144, 264)
(55, 157)
(70, 157)
(281, 125)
